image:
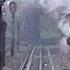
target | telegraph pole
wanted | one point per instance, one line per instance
(12, 9)
(13, 35)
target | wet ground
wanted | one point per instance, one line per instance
(41, 58)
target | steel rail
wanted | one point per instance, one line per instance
(40, 63)
(50, 59)
(28, 60)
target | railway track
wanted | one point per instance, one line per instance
(47, 60)
(39, 59)
(24, 64)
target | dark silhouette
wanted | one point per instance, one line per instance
(68, 41)
(2, 39)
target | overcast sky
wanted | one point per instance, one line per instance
(53, 4)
